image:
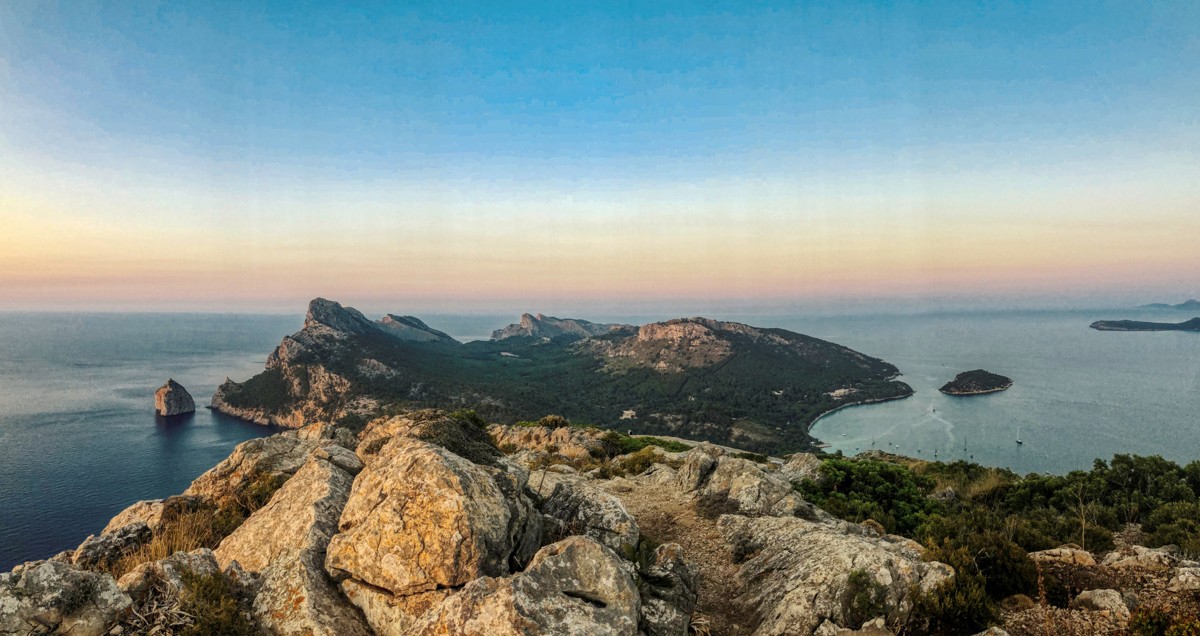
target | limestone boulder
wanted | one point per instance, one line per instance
(461, 437)
(1067, 554)
(800, 467)
(281, 454)
(698, 465)
(580, 508)
(97, 551)
(172, 399)
(389, 614)
(302, 515)
(51, 597)
(168, 573)
(1106, 601)
(1139, 557)
(152, 511)
(755, 490)
(668, 593)
(569, 441)
(420, 517)
(799, 575)
(295, 597)
(320, 431)
(576, 587)
(1186, 579)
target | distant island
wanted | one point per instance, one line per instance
(1190, 305)
(977, 382)
(1137, 325)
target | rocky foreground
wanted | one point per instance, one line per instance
(422, 525)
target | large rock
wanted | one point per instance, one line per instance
(755, 490)
(698, 465)
(168, 574)
(460, 437)
(1108, 601)
(800, 467)
(1067, 554)
(50, 597)
(303, 514)
(1139, 557)
(98, 551)
(569, 441)
(420, 518)
(799, 576)
(583, 509)
(281, 454)
(1185, 580)
(296, 598)
(152, 512)
(576, 587)
(669, 593)
(388, 614)
(172, 399)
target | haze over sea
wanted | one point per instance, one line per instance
(79, 440)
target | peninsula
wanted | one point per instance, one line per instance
(977, 382)
(1137, 325)
(712, 380)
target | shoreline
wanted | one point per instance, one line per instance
(850, 404)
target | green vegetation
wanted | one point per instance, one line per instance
(267, 390)
(984, 521)
(865, 599)
(215, 609)
(1160, 622)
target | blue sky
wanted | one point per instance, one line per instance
(380, 120)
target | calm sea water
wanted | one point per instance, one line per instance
(1078, 394)
(79, 440)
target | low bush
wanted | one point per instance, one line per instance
(214, 607)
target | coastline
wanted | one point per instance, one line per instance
(848, 405)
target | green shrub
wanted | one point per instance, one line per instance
(1176, 523)
(958, 606)
(754, 457)
(864, 598)
(214, 607)
(714, 504)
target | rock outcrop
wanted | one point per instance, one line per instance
(798, 576)
(575, 587)
(421, 518)
(1069, 554)
(172, 399)
(50, 597)
(577, 508)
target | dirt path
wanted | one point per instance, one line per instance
(665, 518)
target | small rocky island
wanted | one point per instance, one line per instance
(977, 382)
(172, 399)
(1138, 325)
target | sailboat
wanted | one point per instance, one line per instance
(1019, 436)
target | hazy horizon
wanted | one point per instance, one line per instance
(247, 157)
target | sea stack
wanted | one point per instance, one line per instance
(172, 399)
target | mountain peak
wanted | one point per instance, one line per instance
(332, 315)
(543, 326)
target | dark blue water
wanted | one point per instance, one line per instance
(79, 440)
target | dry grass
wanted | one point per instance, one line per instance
(191, 530)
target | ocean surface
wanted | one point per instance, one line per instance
(79, 440)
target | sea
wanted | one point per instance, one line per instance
(79, 440)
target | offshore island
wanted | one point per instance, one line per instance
(1137, 325)
(977, 382)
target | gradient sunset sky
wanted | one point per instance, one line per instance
(450, 156)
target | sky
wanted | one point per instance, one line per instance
(455, 156)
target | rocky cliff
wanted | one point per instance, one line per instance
(674, 378)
